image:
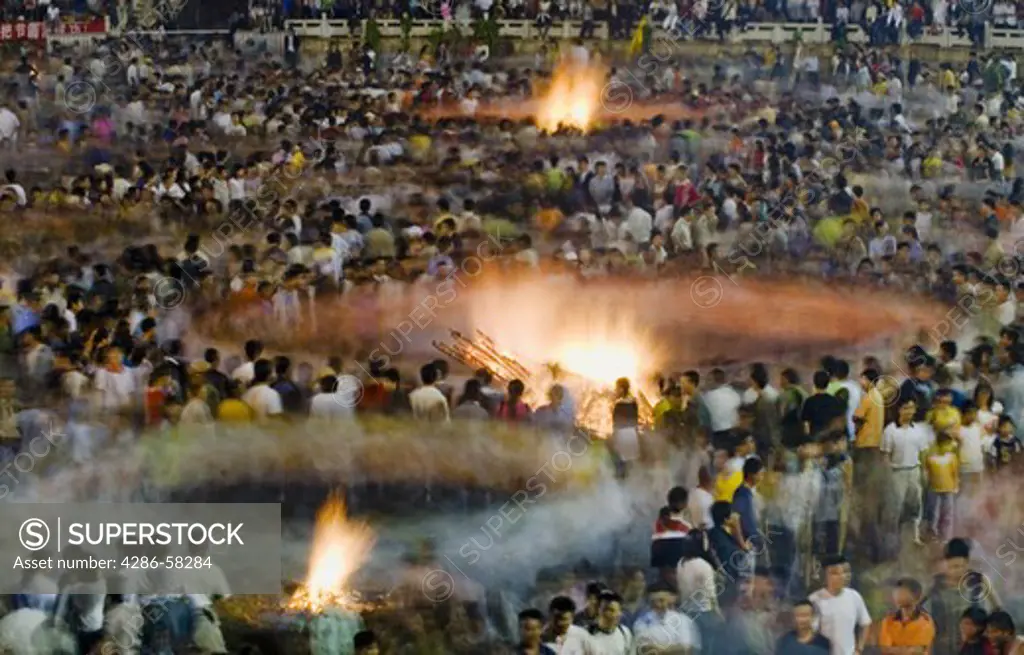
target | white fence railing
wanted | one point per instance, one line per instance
(816, 33)
(114, 33)
(392, 28)
(821, 33)
(1003, 38)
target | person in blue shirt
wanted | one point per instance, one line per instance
(744, 502)
(913, 240)
(729, 551)
(364, 222)
(804, 639)
(442, 260)
(25, 314)
(1013, 388)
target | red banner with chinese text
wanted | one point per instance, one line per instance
(38, 30)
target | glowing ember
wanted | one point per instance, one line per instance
(340, 548)
(573, 99)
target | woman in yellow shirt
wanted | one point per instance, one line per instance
(726, 484)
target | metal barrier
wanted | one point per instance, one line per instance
(820, 33)
(392, 28)
(816, 33)
(753, 33)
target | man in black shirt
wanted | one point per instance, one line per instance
(214, 377)
(919, 385)
(822, 411)
(293, 402)
(803, 639)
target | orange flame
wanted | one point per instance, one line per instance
(340, 548)
(573, 99)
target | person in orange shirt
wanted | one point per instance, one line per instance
(736, 145)
(909, 629)
(868, 462)
(1002, 211)
(549, 217)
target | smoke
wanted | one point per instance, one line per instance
(551, 502)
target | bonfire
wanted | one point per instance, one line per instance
(587, 370)
(340, 548)
(574, 98)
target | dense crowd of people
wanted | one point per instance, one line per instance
(255, 197)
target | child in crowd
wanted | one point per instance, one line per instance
(1007, 449)
(974, 443)
(941, 465)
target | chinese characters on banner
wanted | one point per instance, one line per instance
(38, 31)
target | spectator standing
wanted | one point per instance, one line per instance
(803, 639)
(908, 628)
(842, 615)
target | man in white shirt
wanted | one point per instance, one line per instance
(811, 66)
(561, 635)
(608, 636)
(333, 403)
(264, 401)
(196, 105)
(768, 392)
(14, 189)
(997, 162)
(902, 445)
(114, 382)
(10, 126)
(701, 500)
(974, 443)
(662, 629)
(853, 392)
(682, 235)
(730, 209)
(664, 216)
(427, 402)
(695, 580)
(1006, 311)
(842, 615)
(237, 191)
(638, 223)
(246, 372)
(723, 403)
(132, 74)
